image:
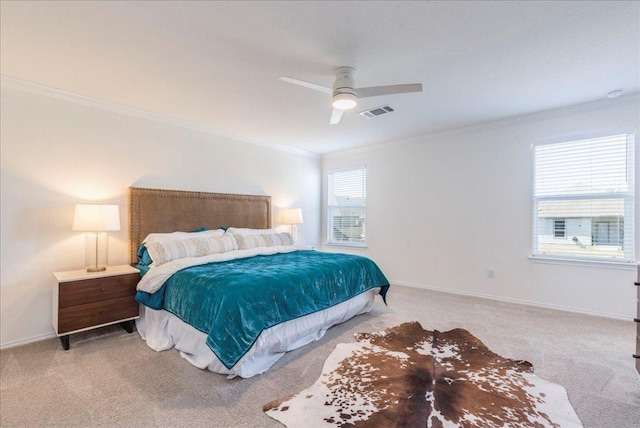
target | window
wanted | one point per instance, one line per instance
(608, 231)
(346, 207)
(559, 227)
(584, 198)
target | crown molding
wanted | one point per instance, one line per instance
(633, 98)
(35, 88)
(59, 94)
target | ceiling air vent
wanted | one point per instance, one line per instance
(377, 111)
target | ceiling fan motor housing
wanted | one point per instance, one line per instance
(344, 94)
(344, 83)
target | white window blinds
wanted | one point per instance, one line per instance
(346, 207)
(584, 198)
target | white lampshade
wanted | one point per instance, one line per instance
(292, 216)
(96, 218)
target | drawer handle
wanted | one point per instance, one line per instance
(636, 356)
(102, 289)
(636, 319)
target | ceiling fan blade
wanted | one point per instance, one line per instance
(306, 84)
(335, 116)
(374, 91)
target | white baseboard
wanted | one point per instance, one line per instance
(27, 340)
(512, 300)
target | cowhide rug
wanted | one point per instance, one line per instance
(406, 376)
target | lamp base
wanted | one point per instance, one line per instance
(96, 252)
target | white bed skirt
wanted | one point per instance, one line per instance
(162, 330)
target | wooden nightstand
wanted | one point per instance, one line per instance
(85, 300)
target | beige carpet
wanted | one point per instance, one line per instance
(111, 378)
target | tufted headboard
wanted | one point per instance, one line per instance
(156, 210)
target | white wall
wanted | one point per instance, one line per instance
(57, 153)
(444, 209)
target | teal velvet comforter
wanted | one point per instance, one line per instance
(234, 301)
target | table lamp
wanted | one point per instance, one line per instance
(96, 220)
(292, 216)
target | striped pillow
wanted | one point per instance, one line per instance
(246, 231)
(246, 242)
(152, 237)
(164, 251)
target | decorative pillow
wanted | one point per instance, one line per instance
(203, 232)
(245, 231)
(144, 259)
(278, 239)
(164, 251)
(246, 242)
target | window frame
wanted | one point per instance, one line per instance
(630, 201)
(330, 207)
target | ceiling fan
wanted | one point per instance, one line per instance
(345, 94)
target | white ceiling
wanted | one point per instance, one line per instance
(217, 63)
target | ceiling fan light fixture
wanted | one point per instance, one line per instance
(344, 101)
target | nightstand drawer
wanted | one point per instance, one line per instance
(97, 313)
(80, 292)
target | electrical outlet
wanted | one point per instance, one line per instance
(491, 273)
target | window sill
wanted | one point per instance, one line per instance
(346, 244)
(586, 263)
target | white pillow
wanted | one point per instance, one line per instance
(165, 250)
(152, 237)
(246, 242)
(246, 231)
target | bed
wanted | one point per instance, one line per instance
(228, 292)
